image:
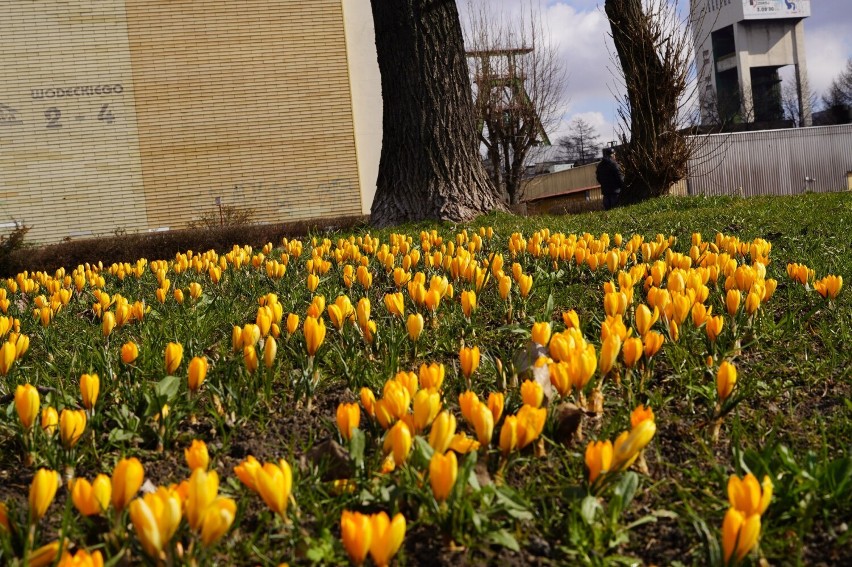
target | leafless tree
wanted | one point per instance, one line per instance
(790, 101)
(838, 98)
(582, 144)
(840, 91)
(518, 86)
(656, 66)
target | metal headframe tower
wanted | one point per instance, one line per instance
(501, 90)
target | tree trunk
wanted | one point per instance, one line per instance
(430, 166)
(656, 154)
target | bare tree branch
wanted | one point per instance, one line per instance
(518, 85)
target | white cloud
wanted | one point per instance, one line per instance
(827, 53)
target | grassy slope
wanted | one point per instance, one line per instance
(795, 378)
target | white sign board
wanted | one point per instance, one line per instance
(757, 9)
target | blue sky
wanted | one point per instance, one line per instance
(579, 30)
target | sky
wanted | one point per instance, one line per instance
(579, 30)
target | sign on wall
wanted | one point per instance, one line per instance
(68, 135)
(757, 9)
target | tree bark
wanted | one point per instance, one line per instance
(430, 166)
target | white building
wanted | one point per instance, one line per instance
(740, 46)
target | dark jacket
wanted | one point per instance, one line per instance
(609, 176)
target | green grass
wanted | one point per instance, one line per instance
(791, 418)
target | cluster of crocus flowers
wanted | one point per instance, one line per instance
(800, 273)
(829, 286)
(91, 498)
(376, 534)
(208, 514)
(603, 457)
(272, 481)
(156, 517)
(12, 350)
(574, 361)
(741, 526)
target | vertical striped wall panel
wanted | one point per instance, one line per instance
(772, 162)
(245, 101)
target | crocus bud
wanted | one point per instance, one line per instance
(314, 334)
(432, 376)
(469, 360)
(274, 483)
(196, 455)
(398, 442)
(443, 471)
(732, 301)
(541, 333)
(90, 386)
(174, 355)
(387, 537)
(739, 534)
(129, 352)
(483, 423)
(197, 372)
(108, 323)
(127, 477)
(395, 304)
(72, 423)
(348, 419)
(292, 323)
(442, 432)
(632, 351)
(747, 496)
(532, 393)
(598, 459)
(92, 498)
(49, 420)
(414, 325)
(726, 379)
(42, 490)
(27, 403)
(356, 533)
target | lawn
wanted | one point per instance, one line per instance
(611, 387)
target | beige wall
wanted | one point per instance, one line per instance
(247, 101)
(250, 102)
(63, 171)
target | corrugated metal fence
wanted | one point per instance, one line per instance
(772, 162)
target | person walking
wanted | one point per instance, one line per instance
(611, 178)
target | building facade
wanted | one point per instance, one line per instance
(739, 46)
(138, 115)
